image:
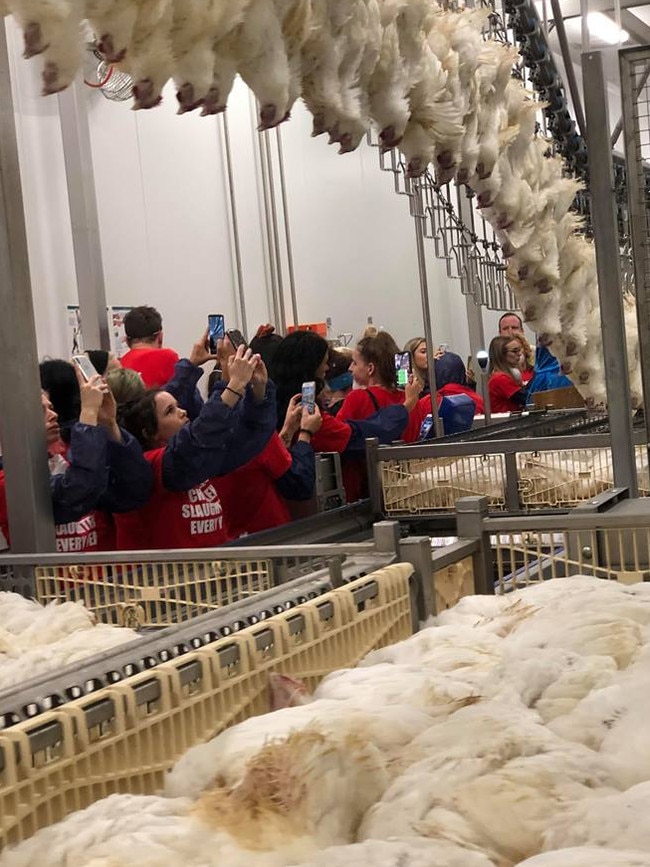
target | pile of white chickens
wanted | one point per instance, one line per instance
(423, 76)
(510, 732)
(38, 639)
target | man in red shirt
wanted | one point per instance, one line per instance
(144, 334)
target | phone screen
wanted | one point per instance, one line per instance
(236, 338)
(403, 368)
(85, 365)
(309, 396)
(216, 330)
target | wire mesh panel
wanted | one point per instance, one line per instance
(434, 484)
(531, 557)
(563, 479)
(153, 593)
(635, 95)
(125, 737)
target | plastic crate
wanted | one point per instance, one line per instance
(154, 593)
(125, 737)
(561, 479)
(452, 583)
(434, 484)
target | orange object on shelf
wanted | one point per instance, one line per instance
(318, 327)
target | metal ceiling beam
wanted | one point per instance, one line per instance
(571, 8)
(637, 29)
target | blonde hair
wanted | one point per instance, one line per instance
(125, 384)
(529, 352)
(411, 346)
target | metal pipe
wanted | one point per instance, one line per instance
(281, 326)
(287, 228)
(22, 432)
(84, 219)
(234, 222)
(267, 220)
(608, 259)
(568, 65)
(426, 309)
(586, 41)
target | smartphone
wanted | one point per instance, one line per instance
(216, 330)
(309, 396)
(236, 338)
(85, 365)
(403, 368)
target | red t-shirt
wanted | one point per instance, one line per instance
(249, 497)
(173, 519)
(155, 366)
(359, 405)
(501, 388)
(333, 436)
(93, 532)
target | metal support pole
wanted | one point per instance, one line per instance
(281, 325)
(374, 480)
(269, 230)
(77, 153)
(416, 550)
(586, 41)
(608, 254)
(637, 204)
(22, 432)
(386, 535)
(474, 310)
(568, 66)
(471, 513)
(234, 222)
(287, 228)
(419, 218)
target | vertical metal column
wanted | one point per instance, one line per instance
(418, 215)
(608, 254)
(22, 432)
(287, 228)
(474, 310)
(234, 221)
(633, 61)
(84, 219)
(261, 141)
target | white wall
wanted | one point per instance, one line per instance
(166, 230)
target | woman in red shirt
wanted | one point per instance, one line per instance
(303, 357)
(373, 369)
(234, 425)
(506, 386)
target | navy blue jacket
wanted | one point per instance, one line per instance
(219, 440)
(101, 474)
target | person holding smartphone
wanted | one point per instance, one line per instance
(103, 472)
(187, 457)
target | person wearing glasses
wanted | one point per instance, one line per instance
(507, 389)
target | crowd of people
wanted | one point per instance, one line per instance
(140, 461)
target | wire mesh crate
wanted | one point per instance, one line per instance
(153, 593)
(434, 484)
(535, 556)
(125, 737)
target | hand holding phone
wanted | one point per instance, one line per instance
(236, 338)
(216, 330)
(85, 366)
(309, 397)
(403, 368)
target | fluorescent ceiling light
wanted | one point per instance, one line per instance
(603, 28)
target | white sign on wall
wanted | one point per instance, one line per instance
(115, 325)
